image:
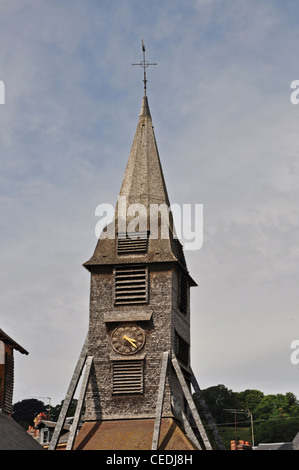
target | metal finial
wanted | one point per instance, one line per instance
(144, 64)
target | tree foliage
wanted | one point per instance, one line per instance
(277, 406)
(249, 399)
(55, 411)
(275, 416)
(220, 399)
(25, 411)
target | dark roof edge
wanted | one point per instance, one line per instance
(7, 339)
(90, 265)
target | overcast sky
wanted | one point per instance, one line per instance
(227, 135)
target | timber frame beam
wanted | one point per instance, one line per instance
(69, 396)
(169, 356)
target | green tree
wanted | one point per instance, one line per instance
(275, 417)
(249, 399)
(219, 399)
(24, 411)
(55, 411)
(276, 430)
(277, 406)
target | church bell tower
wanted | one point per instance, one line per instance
(138, 393)
(139, 298)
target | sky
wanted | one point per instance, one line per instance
(227, 134)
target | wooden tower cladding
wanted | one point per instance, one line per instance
(139, 290)
(138, 387)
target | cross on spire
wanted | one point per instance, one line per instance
(144, 64)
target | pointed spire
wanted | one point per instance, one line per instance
(143, 189)
(143, 180)
(143, 184)
(145, 111)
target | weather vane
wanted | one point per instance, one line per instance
(144, 64)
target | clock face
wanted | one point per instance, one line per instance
(127, 339)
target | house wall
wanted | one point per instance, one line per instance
(6, 377)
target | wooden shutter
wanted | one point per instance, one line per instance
(127, 377)
(183, 294)
(182, 349)
(130, 285)
(132, 243)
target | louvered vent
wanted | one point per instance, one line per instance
(131, 285)
(183, 299)
(127, 377)
(132, 243)
(182, 349)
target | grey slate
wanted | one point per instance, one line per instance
(275, 446)
(143, 183)
(14, 437)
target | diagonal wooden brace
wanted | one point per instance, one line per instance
(75, 423)
(207, 412)
(191, 404)
(160, 401)
(69, 396)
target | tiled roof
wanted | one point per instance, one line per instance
(14, 437)
(131, 434)
(275, 446)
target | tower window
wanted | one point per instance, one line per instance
(127, 377)
(131, 285)
(182, 349)
(132, 243)
(183, 294)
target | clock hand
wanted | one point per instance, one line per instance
(131, 340)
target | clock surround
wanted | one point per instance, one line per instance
(127, 339)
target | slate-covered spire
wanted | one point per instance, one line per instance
(145, 111)
(143, 181)
(143, 185)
